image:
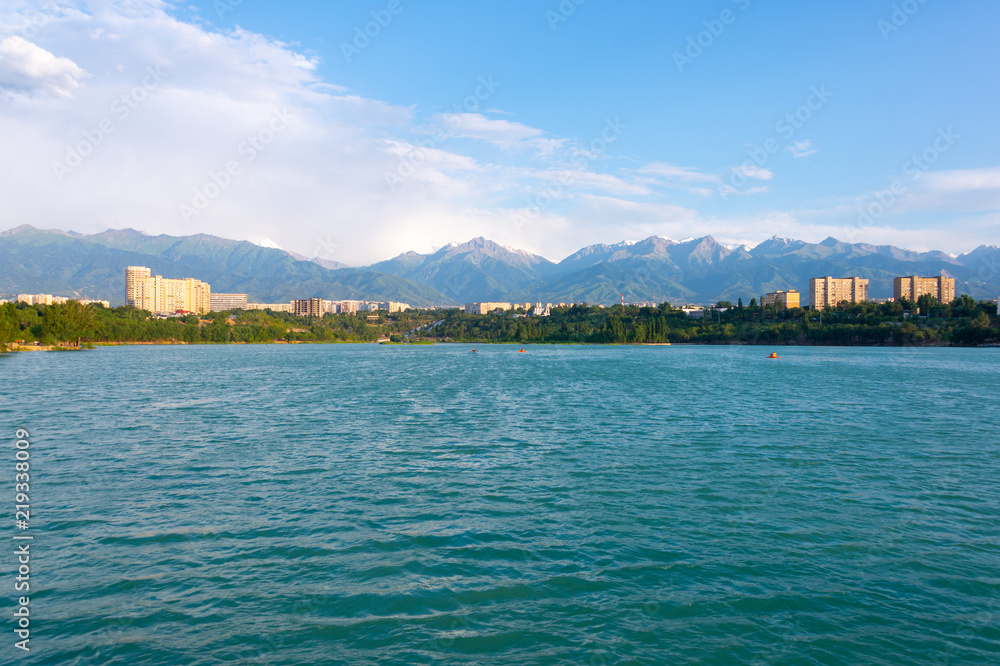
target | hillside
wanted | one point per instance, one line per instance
(657, 269)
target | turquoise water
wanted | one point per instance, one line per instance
(364, 504)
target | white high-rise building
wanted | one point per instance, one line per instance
(157, 294)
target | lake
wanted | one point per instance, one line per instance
(366, 504)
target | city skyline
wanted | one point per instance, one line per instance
(298, 127)
(169, 295)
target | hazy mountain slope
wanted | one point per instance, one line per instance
(479, 270)
(32, 260)
(699, 270)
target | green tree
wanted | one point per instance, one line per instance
(925, 303)
(9, 325)
(68, 322)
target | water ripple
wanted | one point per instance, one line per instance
(574, 505)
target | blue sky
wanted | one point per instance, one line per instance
(593, 122)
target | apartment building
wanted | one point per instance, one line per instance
(308, 307)
(913, 287)
(346, 307)
(827, 292)
(159, 294)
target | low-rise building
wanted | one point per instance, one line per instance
(223, 302)
(274, 307)
(392, 306)
(41, 299)
(790, 299)
(487, 307)
(49, 299)
(913, 287)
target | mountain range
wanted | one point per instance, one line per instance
(657, 269)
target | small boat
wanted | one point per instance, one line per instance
(521, 351)
(774, 355)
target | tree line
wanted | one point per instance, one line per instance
(963, 322)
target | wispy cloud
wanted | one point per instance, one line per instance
(802, 149)
(505, 134)
(671, 172)
(727, 190)
(753, 171)
(588, 180)
(963, 180)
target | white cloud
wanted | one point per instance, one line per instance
(753, 171)
(586, 180)
(802, 149)
(506, 134)
(25, 66)
(726, 190)
(671, 172)
(963, 180)
(960, 191)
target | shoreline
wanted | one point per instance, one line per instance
(171, 343)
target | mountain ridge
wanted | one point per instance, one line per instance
(651, 269)
(52, 261)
